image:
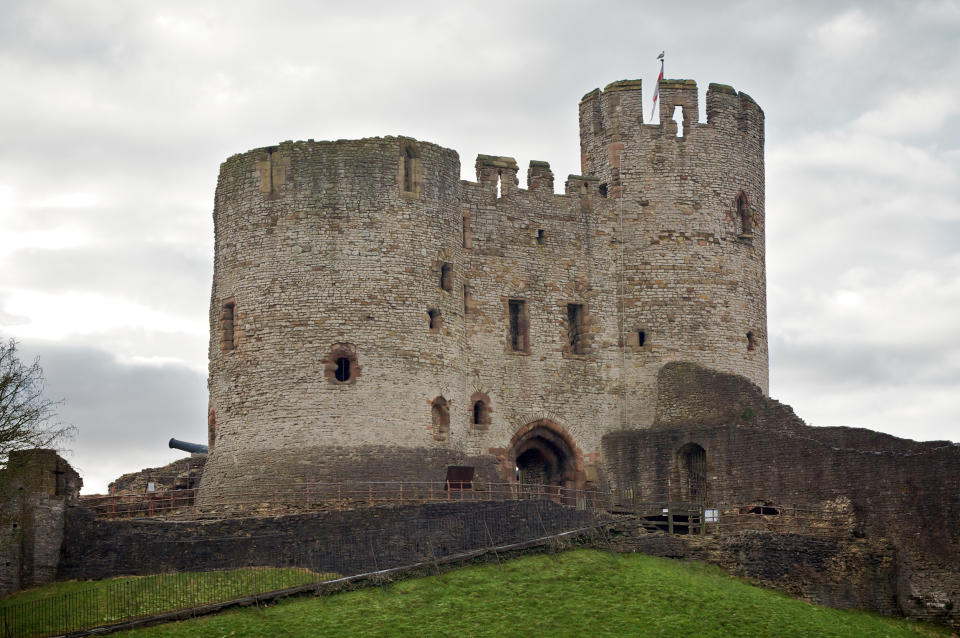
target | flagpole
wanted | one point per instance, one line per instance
(656, 90)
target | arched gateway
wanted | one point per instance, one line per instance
(544, 453)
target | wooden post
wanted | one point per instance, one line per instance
(669, 519)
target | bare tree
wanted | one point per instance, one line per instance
(28, 419)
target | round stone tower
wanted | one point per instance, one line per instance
(375, 318)
(691, 199)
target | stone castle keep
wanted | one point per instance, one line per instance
(374, 317)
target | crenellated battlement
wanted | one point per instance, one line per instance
(618, 108)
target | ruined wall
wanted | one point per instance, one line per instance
(759, 451)
(373, 252)
(35, 490)
(850, 573)
(181, 474)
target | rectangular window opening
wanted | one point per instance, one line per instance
(459, 477)
(467, 236)
(519, 325)
(575, 335)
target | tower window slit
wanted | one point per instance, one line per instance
(575, 336)
(446, 277)
(408, 170)
(342, 372)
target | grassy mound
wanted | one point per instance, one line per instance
(579, 593)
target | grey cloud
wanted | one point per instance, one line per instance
(150, 274)
(124, 414)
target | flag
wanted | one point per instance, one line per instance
(656, 91)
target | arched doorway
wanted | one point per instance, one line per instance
(544, 454)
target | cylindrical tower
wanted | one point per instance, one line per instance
(691, 199)
(318, 361)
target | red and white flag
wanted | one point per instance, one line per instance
(656, 91)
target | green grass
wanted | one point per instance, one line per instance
(579, 593)
(74, 605)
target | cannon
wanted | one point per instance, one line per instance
(193, 448)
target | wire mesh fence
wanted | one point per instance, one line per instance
(309, 562)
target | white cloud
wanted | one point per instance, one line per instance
(846, 35)
(72, 314)
(910, 112)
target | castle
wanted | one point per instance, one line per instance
(374, 317)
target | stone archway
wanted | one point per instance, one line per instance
(544, 453)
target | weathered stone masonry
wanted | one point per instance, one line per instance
(899, 493)
(358, 283)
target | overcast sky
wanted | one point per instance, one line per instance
(118, 114)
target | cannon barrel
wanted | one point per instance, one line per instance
(195, 448)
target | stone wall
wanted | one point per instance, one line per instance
(344, 542)
(759, 451)
(35, 490)
(841, 573)
(348, 251)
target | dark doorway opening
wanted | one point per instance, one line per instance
(459, 477)
(692, 460)
(545, 460)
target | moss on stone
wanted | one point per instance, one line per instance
(623, 85)
(722, 88)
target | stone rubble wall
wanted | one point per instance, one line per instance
(36, 488)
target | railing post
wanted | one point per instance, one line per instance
(669, 519)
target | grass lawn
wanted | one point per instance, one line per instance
(578, 593)
(69, 606)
